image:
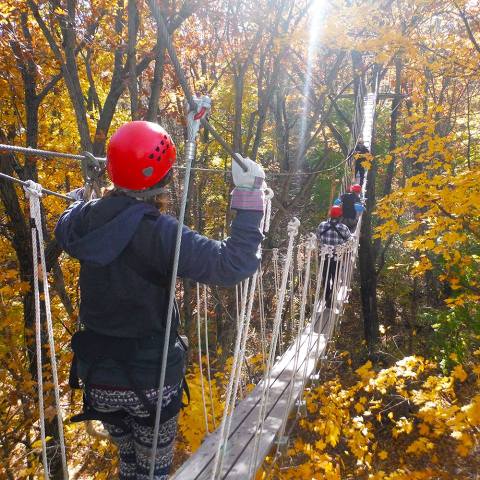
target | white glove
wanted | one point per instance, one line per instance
(77, 194)
(252, 178)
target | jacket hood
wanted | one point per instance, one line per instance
(99, 230)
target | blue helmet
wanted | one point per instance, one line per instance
(337, 201)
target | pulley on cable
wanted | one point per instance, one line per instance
(92, 171)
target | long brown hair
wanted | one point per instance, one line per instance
(160, 200)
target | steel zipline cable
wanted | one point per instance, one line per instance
(70, 156)
(44, 190)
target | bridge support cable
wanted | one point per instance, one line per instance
(207, 357)
(198, 109)
(239, 350)
(292, 233)
(310, 247)
(200, 361)
(239, 450)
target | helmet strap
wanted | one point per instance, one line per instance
(157, 189)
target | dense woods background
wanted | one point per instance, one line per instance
(283, 76)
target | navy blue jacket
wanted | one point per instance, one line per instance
(106, 235)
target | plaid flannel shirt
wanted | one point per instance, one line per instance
(331, 236)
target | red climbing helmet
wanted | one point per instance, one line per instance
(356, 188)
(336, 211)
(139, 155)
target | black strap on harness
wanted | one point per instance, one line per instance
(93, 348)
(333, 226)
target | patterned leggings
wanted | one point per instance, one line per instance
(134, 445)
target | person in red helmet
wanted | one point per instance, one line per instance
(126, 249)
(356, 188)
(349, 200)
(332, 232)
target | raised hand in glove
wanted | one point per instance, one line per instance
(248, 193)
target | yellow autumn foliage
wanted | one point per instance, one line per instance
(380, 423)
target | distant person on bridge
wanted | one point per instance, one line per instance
(360, 156)
(126, 249)
(331, 232)
(348, 201)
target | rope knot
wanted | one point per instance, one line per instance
(33, 189)
(268, 194)
(292, 227)
(311, 242)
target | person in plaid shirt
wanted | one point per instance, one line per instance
(332, 232)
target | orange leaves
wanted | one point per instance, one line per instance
(365, 371)
(192, 420)
(359, 427)
(382, 455)
(459, 373)
(420, 446)
(403, 425)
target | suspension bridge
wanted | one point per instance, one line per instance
(253, 426)
(258, 422)
(250, 428)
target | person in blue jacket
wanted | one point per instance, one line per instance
(126, 247)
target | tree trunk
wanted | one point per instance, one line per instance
(132, 57)
(368, 275)
(387, 188)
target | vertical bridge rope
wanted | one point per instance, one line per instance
(292, 233)
(239, 353)
(34, 192)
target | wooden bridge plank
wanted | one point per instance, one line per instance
(240, 445)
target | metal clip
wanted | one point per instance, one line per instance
(203, 105)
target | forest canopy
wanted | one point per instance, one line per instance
(398, 396)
